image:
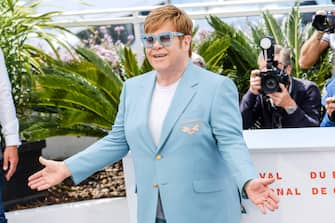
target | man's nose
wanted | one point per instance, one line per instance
(157, 44)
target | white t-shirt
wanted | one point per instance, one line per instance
(160, 103)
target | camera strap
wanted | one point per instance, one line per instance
(275, 112)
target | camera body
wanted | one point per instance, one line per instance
(272, 76)
(324, 23)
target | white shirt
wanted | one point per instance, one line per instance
(160, 103)
(330, 38)
(8, 120)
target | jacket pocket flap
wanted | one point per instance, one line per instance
(204, 186)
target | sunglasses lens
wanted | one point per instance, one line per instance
(148, 41)
(165, 39)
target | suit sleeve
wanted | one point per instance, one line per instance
(106, 151)
(308, 113)
(227, 128)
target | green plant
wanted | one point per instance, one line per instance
(78, 97)
(231, 52)
(19, 25)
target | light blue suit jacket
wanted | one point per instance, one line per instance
(201, 161)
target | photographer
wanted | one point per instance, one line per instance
(296, 104)
(322, 39)
(328, 101)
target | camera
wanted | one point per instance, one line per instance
(324, 23)
(272, 76)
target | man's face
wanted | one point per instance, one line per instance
(168, 57)
(262, 65)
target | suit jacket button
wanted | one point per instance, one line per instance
(155, 185)
(158, 157)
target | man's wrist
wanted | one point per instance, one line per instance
(244, 191)
(291, 109)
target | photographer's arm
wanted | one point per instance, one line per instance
(250, 106)
(283, 99)
(307, 113)
(312, 49)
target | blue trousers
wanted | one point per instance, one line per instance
(2, 211)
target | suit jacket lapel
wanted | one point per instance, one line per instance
(147, 87)
(184, 93)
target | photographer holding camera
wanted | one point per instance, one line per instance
(322, 39)
(277, 100)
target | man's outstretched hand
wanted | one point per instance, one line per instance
(53, 173)
(262, 195)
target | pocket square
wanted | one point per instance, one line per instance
(191, 129)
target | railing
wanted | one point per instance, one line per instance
(195, 10)
(225, 9)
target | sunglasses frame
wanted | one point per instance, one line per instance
(158, 38)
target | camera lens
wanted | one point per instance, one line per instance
(270, 84)
(320, 22)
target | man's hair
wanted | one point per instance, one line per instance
(197, 59)
(169, 13)
(285, 57)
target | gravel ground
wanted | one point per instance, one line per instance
(106, 183)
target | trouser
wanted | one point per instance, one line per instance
(160, 220)
(2, 211)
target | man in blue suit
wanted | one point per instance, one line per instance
(184, 129)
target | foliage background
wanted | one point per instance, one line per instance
(79, 95)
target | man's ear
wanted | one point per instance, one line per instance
(187, 41)
(288, 69)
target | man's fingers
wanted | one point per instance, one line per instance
(5, 163)
(43, 161)
(274, 197)
(268, 181)
(254, 73)
(35, 176)
(270, 204)
(261, 208)
(43, 187)
(40, 185)
(33, 184)
(10, 173)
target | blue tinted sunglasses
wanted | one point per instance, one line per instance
(165, 39)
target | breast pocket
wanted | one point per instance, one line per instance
(191, 126)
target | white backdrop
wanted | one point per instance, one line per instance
(303, 163)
